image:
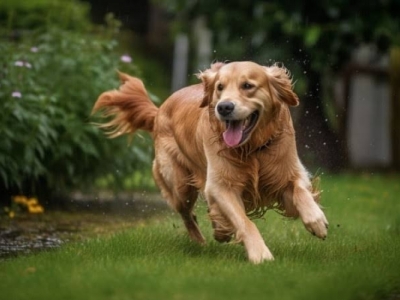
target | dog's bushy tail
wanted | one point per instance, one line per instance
(129, 108)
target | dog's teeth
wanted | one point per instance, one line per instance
(246, 122)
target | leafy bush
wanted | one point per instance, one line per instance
(48, 85)
(40, 14)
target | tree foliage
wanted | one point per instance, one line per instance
(314, 39)
(327, 30)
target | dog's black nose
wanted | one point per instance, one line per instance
(225, 108)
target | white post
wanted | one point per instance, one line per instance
(203, 38)
(180, 61)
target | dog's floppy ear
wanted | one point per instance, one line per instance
(208, 79)
(281, 84)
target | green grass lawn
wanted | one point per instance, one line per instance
(360, 259)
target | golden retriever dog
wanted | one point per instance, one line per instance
(230, 138)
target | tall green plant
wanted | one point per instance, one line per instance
(48, 85)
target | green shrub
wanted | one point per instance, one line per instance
(41, 14)
(48, 85)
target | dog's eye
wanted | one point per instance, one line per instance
(247, 86)
(220, 87)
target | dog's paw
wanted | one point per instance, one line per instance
(315, 222)
(259, 254)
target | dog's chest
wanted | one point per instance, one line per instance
(264, 185)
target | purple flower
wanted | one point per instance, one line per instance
(16, 94)
(20, 63)
(126, 58)
(34, 49)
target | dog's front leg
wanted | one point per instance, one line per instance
(231, 206)
(300, 197)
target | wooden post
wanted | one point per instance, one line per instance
(394, 71)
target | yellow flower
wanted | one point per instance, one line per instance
(11, 214)
(32, 201)
(20, 200)
(32, 204)
(35, 209)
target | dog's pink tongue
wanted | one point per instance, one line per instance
(233, 134)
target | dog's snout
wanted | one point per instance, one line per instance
(225, 108)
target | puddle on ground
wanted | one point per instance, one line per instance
(17, 241)
(77, 221)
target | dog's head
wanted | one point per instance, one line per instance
(243, 95)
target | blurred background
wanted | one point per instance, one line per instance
(57, 56)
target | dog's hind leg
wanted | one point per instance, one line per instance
(180, 196)
(187, 198)
(223, 230)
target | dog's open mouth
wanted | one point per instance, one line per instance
(237, 131)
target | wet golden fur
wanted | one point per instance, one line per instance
(262, 172)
